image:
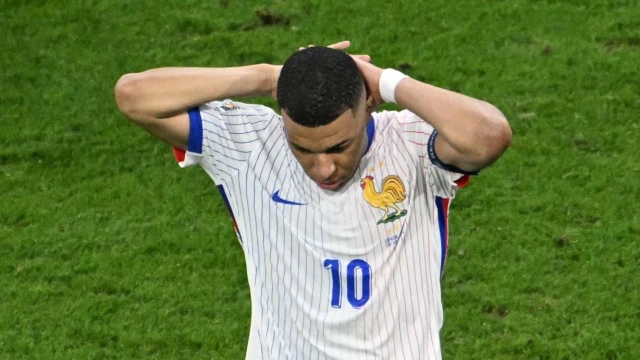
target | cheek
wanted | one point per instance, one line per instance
(348, 161)
(305, 161)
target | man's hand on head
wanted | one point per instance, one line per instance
(343, 45)
(275, 75)
(371, 76)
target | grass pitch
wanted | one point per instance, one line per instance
(109, 251)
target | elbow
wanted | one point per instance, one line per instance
(497, 139)
(496, 136)
(125, 94)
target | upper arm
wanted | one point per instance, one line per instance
(448, 155)
(172, 130)
(478, 144)
(418, 136)
(487, 149)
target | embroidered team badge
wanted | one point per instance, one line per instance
(392, 193)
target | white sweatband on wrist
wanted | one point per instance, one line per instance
(388, 82)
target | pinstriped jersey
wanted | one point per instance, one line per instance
(346, 274)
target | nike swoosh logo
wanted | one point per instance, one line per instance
(276, 197)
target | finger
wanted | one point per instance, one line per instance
(302, 47)
(340, 45)
(360, 60)
(365, 58)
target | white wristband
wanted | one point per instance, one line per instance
(388, 82)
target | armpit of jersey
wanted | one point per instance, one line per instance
(462, 181)
(186, 158)
(193, 154)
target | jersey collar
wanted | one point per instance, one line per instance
(371, 129)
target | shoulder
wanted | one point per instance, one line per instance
(230, 108)
(402, 123)
(239, 118)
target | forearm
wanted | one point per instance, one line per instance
(474, 132)
(165, 92)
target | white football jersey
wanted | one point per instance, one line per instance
(347, 274)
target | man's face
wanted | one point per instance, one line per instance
(330, 154)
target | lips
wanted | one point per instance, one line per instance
(329, 185)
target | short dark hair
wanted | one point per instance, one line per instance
(317, 85)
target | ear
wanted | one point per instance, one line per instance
(371, 104)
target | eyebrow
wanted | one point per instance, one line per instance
(328, 150)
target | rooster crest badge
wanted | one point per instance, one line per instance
(392, 193)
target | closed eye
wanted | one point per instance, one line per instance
(338, 148)
(300, 148)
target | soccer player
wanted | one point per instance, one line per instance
(341, 211)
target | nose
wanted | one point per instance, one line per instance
(324, 167)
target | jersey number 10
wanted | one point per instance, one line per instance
(358, 292)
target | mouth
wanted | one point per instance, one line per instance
(329, 185)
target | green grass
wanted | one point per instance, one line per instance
(109, 251)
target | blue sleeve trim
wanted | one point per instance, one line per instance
(195, 131)
(435, 160)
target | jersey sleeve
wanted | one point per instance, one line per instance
(222, 135)
(416, 133)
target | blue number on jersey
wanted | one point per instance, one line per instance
(356, 299)
(334, 266)
(352, 293)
